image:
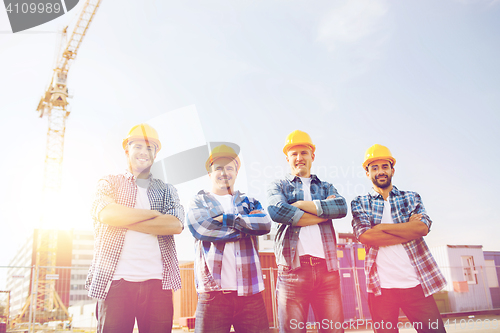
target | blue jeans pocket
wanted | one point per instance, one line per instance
(116, 283)
(207, 297)
(286, 274)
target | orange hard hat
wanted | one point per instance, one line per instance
(378, 152)
(142, 132)
(298, 138)
(222, 151)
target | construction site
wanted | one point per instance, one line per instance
(247, 73)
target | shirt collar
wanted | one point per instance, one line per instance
(291, 178)
(375, 194)
(130, 176)
(235, 194)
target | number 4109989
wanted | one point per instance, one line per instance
(32, 8)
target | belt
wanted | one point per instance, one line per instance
(227, 291)
(311, 261)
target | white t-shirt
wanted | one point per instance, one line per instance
(310, 241)
(393, 264)
(140, 259)
(228, 273)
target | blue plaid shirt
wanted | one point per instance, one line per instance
(367, 211)
(212, 235)
(284, 192)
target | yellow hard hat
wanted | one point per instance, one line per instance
(222, 151)
(298, 138)
(142, 132)
(378, 152)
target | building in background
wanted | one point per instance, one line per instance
(74, 253)
(464, 269)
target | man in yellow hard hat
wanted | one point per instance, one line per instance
(228, 274)
(400, 270)
(305, 246)
(135, 265)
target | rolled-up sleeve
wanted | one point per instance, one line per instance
(420, 209)
(334, 208)
(103, 190)
(360, 218)
(173, 204)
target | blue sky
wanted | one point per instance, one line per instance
(421, 77)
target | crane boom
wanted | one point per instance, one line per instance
(88, 11)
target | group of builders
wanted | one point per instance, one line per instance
(135, 267)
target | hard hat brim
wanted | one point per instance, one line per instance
(370, 160)
(154, 141)
(214, 157)
(291, 145)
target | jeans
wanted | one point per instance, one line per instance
(217, 311)
(304, 286)
(421, 311)
(147, 301)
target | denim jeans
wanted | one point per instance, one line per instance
(421, 311)
(217, 311)
(304, 286)
(147, 301)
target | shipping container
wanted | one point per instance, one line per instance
(353, 281)
(270, 275)
(186, 298)
(492, 262)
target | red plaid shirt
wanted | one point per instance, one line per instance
(108, 240)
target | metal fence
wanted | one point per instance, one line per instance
(64, 303)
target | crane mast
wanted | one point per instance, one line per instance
(54, 106)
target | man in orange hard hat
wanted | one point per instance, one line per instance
(135, 265)
(305, 246)
(225, 224)
(400, 270)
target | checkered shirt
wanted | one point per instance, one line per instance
(284, 192)
(211, 237)
(367, 211)
(108, 240)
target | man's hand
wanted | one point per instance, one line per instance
(380, 234)
(415, 217)
(220, 218)
(309, 206)
(310, 216)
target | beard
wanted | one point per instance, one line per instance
(385, 184)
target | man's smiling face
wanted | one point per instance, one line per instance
(300, 159)
(380, 172)
(141, 155)
(223, 175)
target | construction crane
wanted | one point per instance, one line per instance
(54, 105)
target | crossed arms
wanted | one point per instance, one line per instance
(141, 220)
(310, 216)
(304, 213)
(225, 227)
(385, 234)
